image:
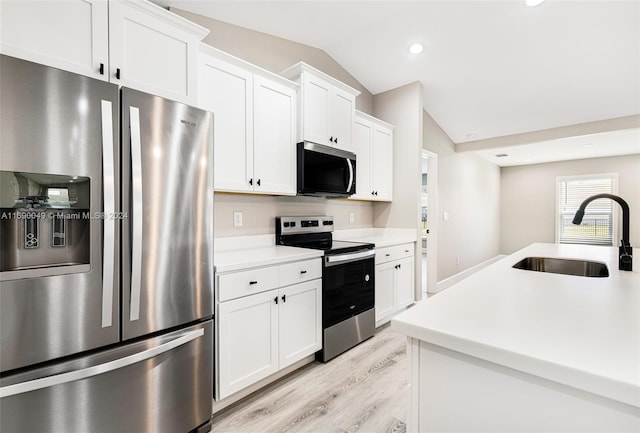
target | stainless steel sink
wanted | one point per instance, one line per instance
(582, 268)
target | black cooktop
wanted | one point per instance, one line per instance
(314, 233)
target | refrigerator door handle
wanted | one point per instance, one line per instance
(72, 376)
(108, 221)
(136, 213)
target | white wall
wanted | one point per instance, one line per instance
(402, 107)
(469, 192)
(529, 197)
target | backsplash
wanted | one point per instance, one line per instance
(259, 212)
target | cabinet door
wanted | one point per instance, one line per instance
(382, 167)
(385, 297)
(300, 321)
(70, 35)
(362, 136)
(227, 91)
(274, 138)
(152, 54)
(341, 112)
(403, 283)
(247, 344)
(316, 96)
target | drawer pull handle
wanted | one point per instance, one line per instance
(303, 272)
(387, 255)
(253, 282)
(406, 251)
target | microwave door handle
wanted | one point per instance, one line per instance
(109, 208)
(350, 175)
(136, 214)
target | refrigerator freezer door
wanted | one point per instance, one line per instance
(167, 267)
(58, 138)
(163, 384)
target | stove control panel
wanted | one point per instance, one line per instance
(303, 224)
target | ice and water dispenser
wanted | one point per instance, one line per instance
(44, 224)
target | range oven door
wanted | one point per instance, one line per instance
(348, 286)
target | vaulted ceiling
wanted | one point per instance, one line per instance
(488, 69)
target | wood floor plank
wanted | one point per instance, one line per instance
(363, 390)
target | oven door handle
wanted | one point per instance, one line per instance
(346, 258)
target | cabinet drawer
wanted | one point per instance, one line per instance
(239, 284)
(395, 252)
(299, 272)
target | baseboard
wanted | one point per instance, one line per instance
(448, 282)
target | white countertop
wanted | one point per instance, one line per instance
(236, 260)
(579, 331)
(379, 236)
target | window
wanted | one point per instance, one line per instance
(598, 224)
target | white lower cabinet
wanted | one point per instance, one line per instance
(261, 333)
(394, 281)
(247, 341)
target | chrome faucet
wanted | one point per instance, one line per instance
(625, 252)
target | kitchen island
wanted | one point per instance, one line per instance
(516, 350)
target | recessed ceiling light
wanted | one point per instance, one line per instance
(416, 48)
(534, 3)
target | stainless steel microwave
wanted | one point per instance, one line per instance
(325, 171)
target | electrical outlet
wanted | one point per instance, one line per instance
(237, 219)
(352, 218)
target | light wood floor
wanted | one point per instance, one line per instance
(363, 390)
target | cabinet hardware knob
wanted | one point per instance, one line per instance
(258, 182)
(400, 266)
(303, 272)
(253, 282)
(275, 299)
(406, 251)
(101, 68)
(331, 139)
(387, 255)
(118, 73)
(335, 140)
(373, 193)
(284, 298)
(251, 181)
(376, 192)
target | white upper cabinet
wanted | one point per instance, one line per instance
(274, 163)
(69, 35)
(326, 107)
(132, 43)
(153, 50)
(227, 91)
(254, 124)
(373, 146)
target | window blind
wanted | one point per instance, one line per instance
(597, 226)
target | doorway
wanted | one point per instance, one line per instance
(428, 223)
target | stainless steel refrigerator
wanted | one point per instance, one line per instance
(106, 267)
